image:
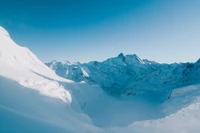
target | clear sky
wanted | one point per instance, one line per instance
(85, 30)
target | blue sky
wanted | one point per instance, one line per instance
(85, 30)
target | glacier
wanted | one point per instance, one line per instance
(121, 94)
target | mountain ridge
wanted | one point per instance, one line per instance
(127, 70)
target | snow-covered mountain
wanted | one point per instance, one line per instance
(33, 98)
(129, 74)
(20, 64)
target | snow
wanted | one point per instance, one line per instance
(20, 64)
(24, 110)
(34, 95)
(185, 120)
(122, 94)
(181, 98)
(3, 31)
(84, 73)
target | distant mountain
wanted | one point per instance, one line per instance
(129, 74)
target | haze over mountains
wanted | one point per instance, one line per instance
(122, 94)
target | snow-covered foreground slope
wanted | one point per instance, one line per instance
(25, 110)
(20, 64)
(23, 78)
(34, 99)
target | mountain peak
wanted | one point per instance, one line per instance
(4, 31)
(121, 55)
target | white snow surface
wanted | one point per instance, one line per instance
(20, 64)
(34, 99)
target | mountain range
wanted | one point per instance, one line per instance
(129, 74)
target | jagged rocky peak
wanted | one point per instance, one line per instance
(121, 55)
(130, 58)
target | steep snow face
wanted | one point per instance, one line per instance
(25, 110)
(129, 74)
(20, 64)
(13, 55)
(53, 111)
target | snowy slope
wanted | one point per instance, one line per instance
(20, 64)
(22, 108)
(25, 110)
(185, 117)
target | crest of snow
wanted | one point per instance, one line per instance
(3, 31)
(20, 64)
